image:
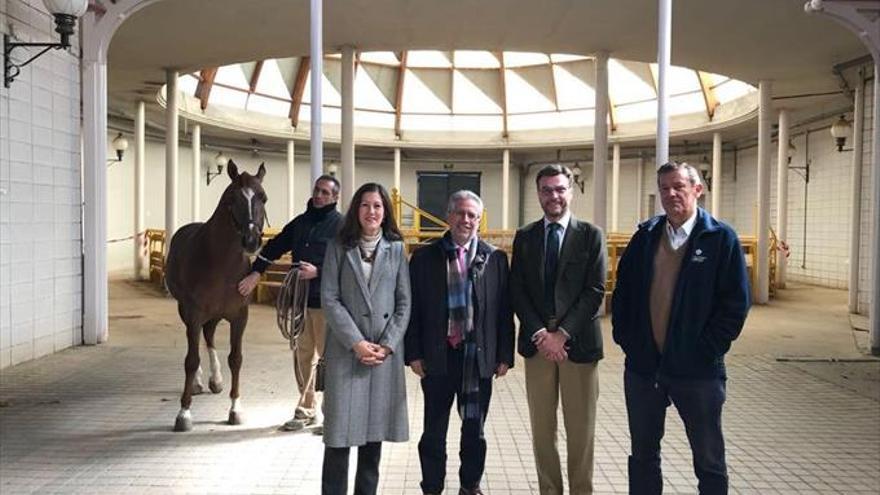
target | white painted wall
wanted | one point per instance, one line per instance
(40, 195)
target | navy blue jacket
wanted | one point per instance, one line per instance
(709, 306)
(306, 238)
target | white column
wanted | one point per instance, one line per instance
(855, 225)
(348, 178)
(171, 123)
(397, 171)
(875, 223)
(291, 208)
(600, 143)
(196, 169)
(782, 196)
(95, 327)
(615, 187)
(664, 48)
(317, 57)
(139, 154)
(762, 268)
(505, 188)
(716, 175)
(640, 188)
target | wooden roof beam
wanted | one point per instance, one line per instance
(398, 97)
(708, 93)
(299, 86)
(252, 86)
(206, 82)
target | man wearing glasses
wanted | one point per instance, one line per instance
(557, 287)
(305, 237)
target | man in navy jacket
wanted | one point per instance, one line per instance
(305, 237)
(681, 298)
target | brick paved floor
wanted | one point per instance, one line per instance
(98, 419)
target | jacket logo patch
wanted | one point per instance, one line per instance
(698, 256)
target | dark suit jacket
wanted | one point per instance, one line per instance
(429, 320)
(580, 287)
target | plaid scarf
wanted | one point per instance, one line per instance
(459, 285)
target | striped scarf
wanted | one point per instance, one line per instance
(459, 285)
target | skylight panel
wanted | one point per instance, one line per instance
(231, 75)
(187, 83)
(732, 89)
(572, 91)
(427, 58)
(329, 95)
(268, 106)
(270, 82)
(418, 97)
(524, 59)
(473, 59)
(367, 94)
(636, 112)
(682, 80)
(523, 96)
(472, 90)
(386, 58)
(329, 115)
(687, 103)
(226, 97)
(452, 123)
(624, 86)
(551, 120)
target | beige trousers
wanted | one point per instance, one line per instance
(578, 385)
(309, 347)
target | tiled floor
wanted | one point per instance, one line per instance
(98, 419)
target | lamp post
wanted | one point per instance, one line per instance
(65, 13)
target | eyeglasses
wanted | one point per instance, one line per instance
(549, 191)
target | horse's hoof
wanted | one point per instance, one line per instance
(183, 424)
(198, 389)
(234, 418)
(216, 387)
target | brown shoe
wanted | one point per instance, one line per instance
(470, 491)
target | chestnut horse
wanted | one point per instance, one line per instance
(204, 265)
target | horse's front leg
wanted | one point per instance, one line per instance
(183, 422)
(215, 382)
(237, 326)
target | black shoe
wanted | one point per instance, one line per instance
(470, 491)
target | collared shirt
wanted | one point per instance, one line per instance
(471, 247)
(679, 236)
(563, 222)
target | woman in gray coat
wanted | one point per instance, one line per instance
(366, 300)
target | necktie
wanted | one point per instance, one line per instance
(551, 263)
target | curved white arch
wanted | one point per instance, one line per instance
(97, 33)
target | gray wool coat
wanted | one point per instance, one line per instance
(364, 403)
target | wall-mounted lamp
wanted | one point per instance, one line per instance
(332, 169)
(578, 176)
(841, 130)
(220, 160)
(705, 172)
(65, 12)
(120, 144)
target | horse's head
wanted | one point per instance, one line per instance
(245, 200)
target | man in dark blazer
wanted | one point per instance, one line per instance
(460, 334)
(557, 285)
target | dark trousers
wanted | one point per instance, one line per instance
(699, 404)
(439, 392)
(334, 476)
